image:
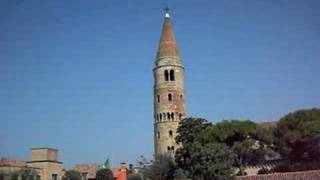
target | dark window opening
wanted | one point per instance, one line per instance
(166, 75)
(181, 96)
(160, 117)
(158, 134)
(168, 114)
(54, 177)
(168, 148)
(180, 116)
(170, 133)
(172, 116)
(172, 148)
(170, 97)
(158, 98)
(171, 75)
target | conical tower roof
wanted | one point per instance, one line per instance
(168, 45)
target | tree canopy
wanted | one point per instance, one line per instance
(104, 174)
(162, 168)
(243, 142)
(297, 137)
(72, 175)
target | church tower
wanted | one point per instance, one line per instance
(169, 97)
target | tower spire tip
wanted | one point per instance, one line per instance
(166, 10)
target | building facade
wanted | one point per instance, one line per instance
(46, 160)
(169, 94)
(44, 165)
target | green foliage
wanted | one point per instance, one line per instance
(205, 162)
(264, 171)
(245, 144)
(297, 138)
(245, 140)
(104, 174)
(14, 176)
(189, 129)
(162, 168)
(134, 177)
(72, 175)
(202, 156)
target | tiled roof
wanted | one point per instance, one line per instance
(168, 44)
(12, 163)
(301, 175)
(90, 168)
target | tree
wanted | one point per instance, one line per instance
(200, 158)
(162, 168)
(134, 177)
(248, 142)
(297, 138)
(104, 174)
(245, 140)
(189, 129)
(72, 175)
(211, 161)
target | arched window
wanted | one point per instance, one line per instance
(180, 116)
(164, 116)
(166, 75)
(170, 97)
(172, 116)
(171, 75)
(158, 98)
(170, 133)
(168, 114)
(172, 148)
(168, 148)
(160, 117)
(158, 134)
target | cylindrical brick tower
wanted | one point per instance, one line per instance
(169, 97)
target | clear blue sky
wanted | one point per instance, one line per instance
(77, 75)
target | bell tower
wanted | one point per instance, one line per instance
(169, 96)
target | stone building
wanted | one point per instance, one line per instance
(43, 160)
(88, 170)
(169, 96)
(46, 159)
(13, 167)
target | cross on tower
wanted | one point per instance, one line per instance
(166, 9)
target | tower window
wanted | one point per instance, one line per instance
(172, 148)
(170, 133)
(172, 116)
(166, 75)
(160, 117)
(158, 98)
(168, 148)
(164, 116)
(170, 97)
(172, 75)
(168, 114)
